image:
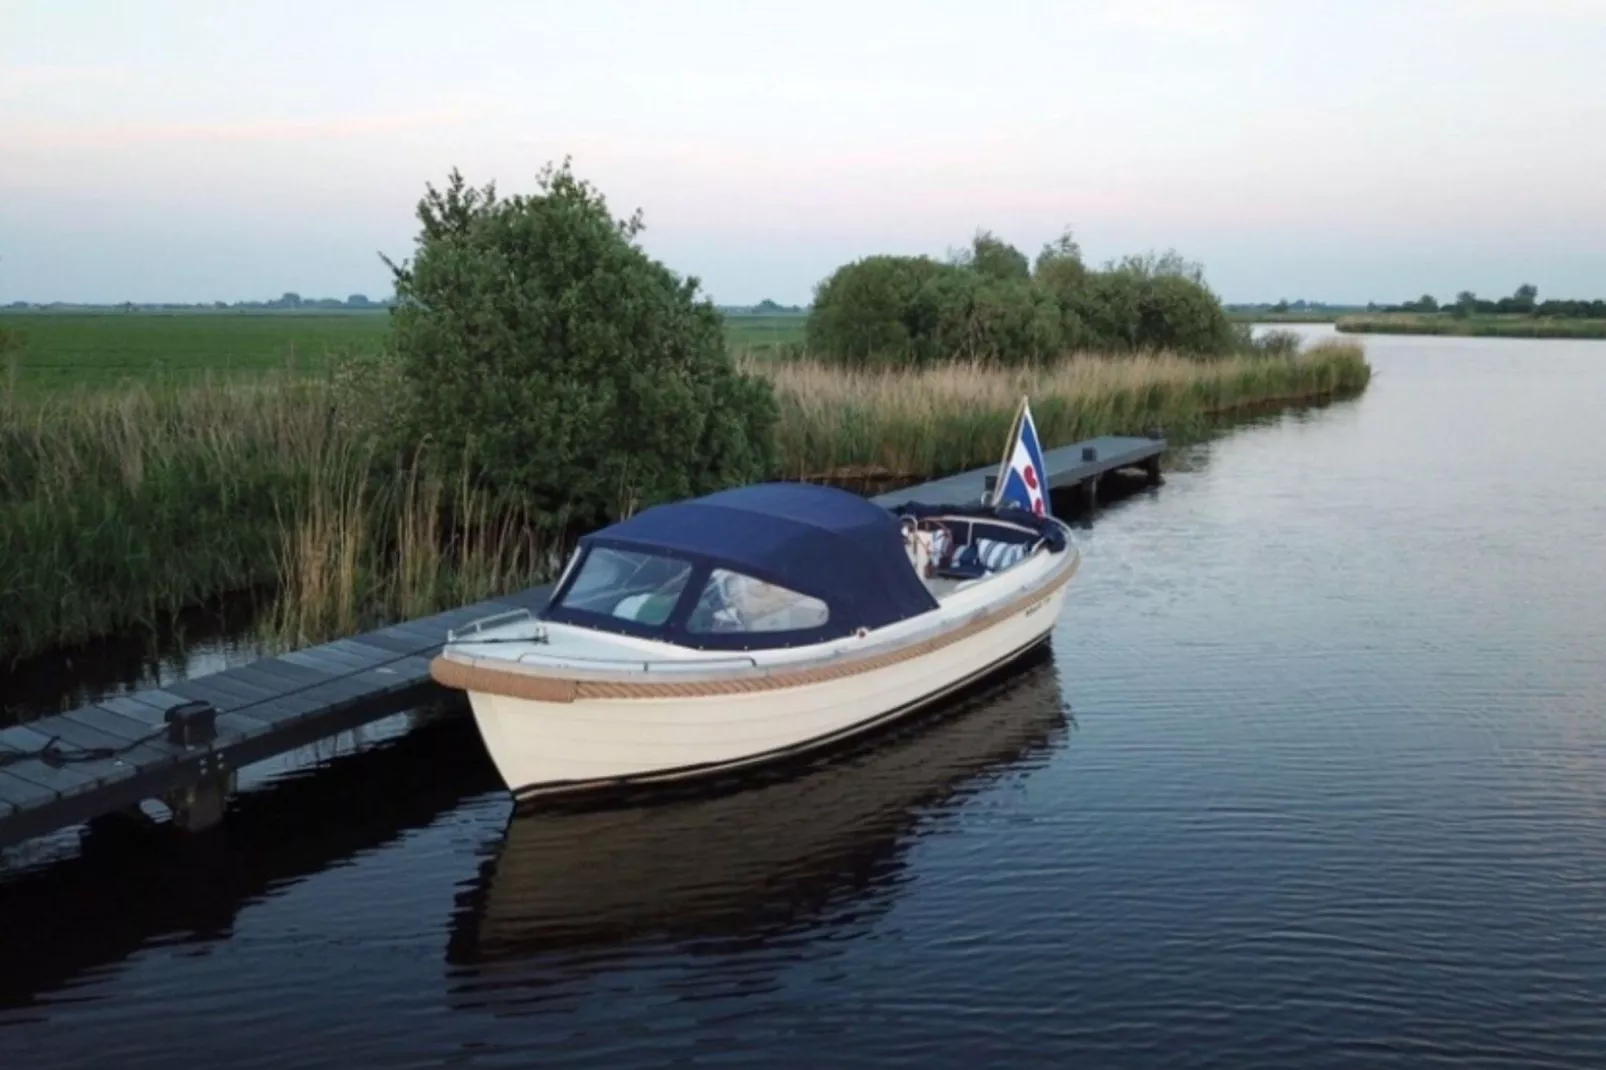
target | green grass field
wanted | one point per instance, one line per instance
(101, 350)
(60, 350)
(763, 335)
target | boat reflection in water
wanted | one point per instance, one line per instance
(737, 870)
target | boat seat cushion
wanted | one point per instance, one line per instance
(996, 554)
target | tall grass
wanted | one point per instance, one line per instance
(367, 547)
(118, 508)
(924, 423)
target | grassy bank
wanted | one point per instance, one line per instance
(1260, 316)
(926, 423)
(118, 507)
(1472, 326)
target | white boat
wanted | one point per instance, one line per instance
(755, 624)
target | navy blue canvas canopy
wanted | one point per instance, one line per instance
(819, 541)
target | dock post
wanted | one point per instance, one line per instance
(1090, 493)
(201, 805)
(1152, 468)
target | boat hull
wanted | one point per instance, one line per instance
(593, 745)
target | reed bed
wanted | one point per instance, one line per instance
(369, 546)
(118, 508)
(924, 423)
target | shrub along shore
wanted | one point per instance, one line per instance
(1446, 323)
(119, 508)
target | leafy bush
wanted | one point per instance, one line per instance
(989, 304)
(873, 308)
(577, 377)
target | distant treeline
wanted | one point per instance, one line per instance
(1525, 302)
(287, 302)
(765, 307)
(1299, 307)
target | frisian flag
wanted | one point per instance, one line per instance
(1021, 476)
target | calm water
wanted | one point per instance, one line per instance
(1315, 775)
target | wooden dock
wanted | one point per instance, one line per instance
(1075, 469)
(182, 744)
(116, 753)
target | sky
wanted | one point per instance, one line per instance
(1339, 150)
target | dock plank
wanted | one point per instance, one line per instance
(21, 794)
(223, 690)
(22, 739)
(238, 693)
(293, 709)
(77, 737)
(71, 778)
(424, 635)
(136, 750)
(160, 698)
(336, 664)
(289, 675)
(113, 724)
(396, 644)
(133, 709)
(263, 678)
(356, 647)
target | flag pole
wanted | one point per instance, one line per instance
(1009, 450)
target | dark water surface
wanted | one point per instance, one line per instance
(1315, 776)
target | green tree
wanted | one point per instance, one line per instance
(576, 376)
(1466, 303)
(993, 258)
(1526, 298)
(983, 304)
(1061, 251)
(868, 309)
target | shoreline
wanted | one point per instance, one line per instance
(1472, 326)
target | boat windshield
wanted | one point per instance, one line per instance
(735, 602)
(627, 584)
